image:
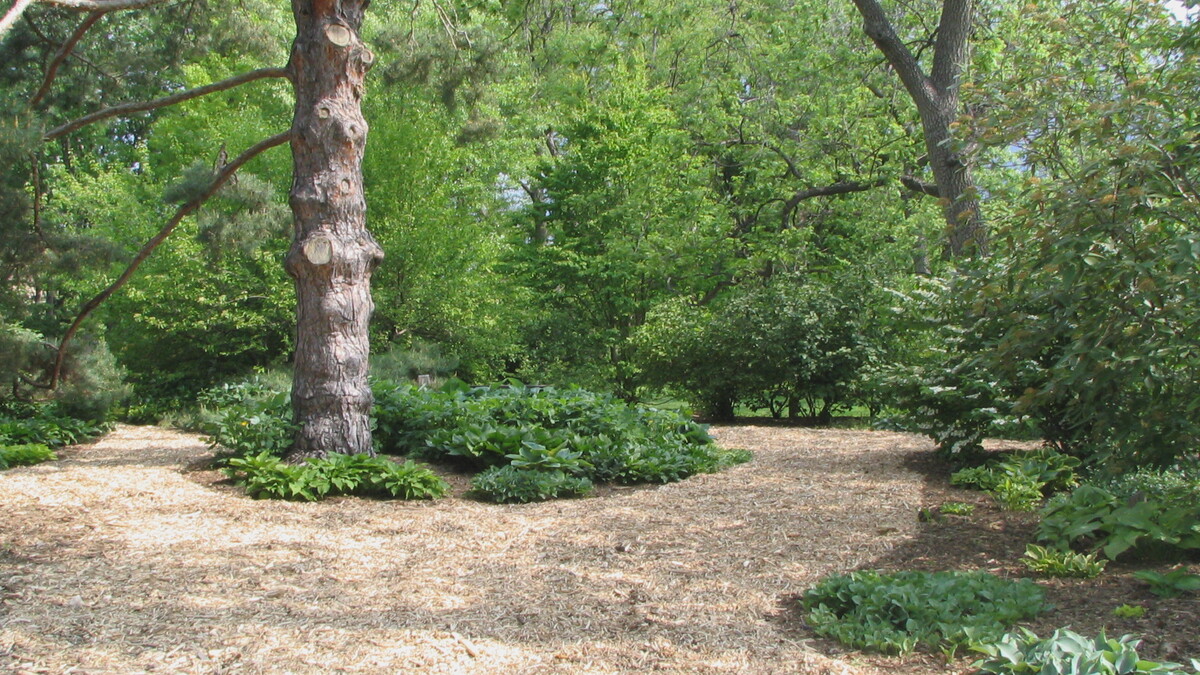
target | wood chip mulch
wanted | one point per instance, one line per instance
(128, 555)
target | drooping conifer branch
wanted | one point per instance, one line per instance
(221, 177)
(61, 55)
(143, 106)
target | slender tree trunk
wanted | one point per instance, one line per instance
(966, 234)
(332, 254)
(936, 97)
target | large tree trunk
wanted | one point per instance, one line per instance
(332, 254)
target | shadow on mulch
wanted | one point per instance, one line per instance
(994, 540)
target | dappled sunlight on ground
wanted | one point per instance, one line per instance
(119, 559)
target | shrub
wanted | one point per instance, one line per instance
(804, 344)
(575, 431)
(1055, 563)
(26, 454)
(248, 418)
(44, 424)
(1142, 525)
(265, 475)
(1069, 653)
(1172, 584)
(1018, 480)
(898, 612)
(512, 485)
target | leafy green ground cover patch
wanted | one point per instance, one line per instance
(899, 612)
(551, 442)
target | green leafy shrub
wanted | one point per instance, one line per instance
(26, 454)
(248, 418)
(45, 425)
(1017, 493)
(1018, 480)
(572, 430)
(1142, 525)
(1172, 584)
(512, 485)
(900, 611)
(575, 432)
(1129, 612)
(1055, 563)
(266, 476)
(803, 344)
(1068, 653)
(1173, 486)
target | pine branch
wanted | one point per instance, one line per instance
(19, 6)
(63, 52)
(143, 106)
(221, 177)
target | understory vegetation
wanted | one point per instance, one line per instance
(525, 443)
(939, 610)
(29, 433)
(982, 222)
(1086, 520)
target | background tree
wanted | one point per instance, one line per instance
(935, 93)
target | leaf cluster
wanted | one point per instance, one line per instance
(900, 611)
(43, 424)
(516, 485)
(1069, 653)
(572, 431)
(248, 418)
(1018, 480)
(266, 476)
(1052, 562)
(1141, 525)
(25, 454)
(1170, 584)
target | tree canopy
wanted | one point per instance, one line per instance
(959, 212)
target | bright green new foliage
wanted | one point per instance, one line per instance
(957, 508)
(266, 476)
(29, 453)
(1019, 479)
(900, 611)
(1129, 612)
(1069, 653)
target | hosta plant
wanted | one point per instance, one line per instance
(1069, 653)
(1058, 563)
(900, 611)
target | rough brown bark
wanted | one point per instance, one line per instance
(332, 254)
(936, 98)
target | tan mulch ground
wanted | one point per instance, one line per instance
(129, 556)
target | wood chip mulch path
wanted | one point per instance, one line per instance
(129, 555)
